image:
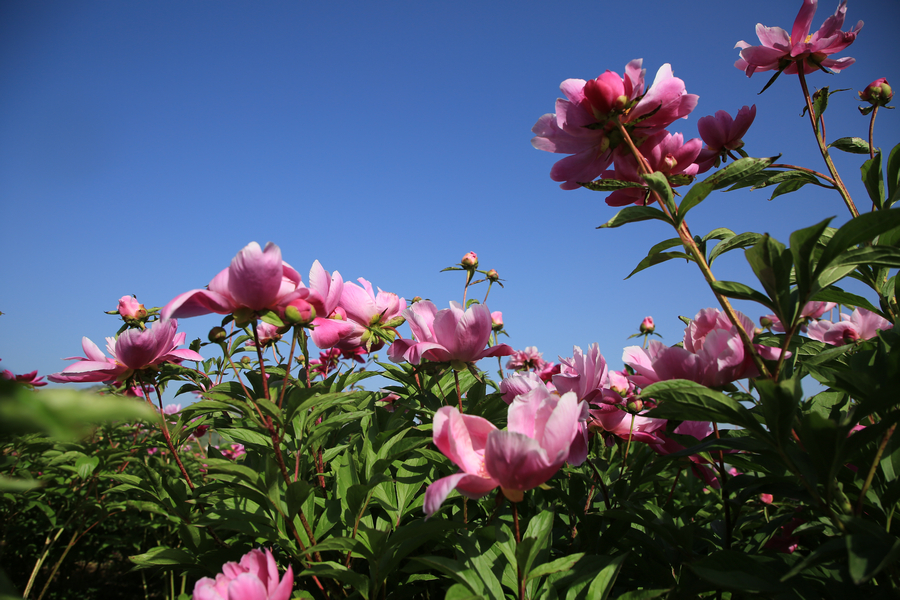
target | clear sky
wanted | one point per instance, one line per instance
(142, 144)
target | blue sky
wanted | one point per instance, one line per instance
(142, 144)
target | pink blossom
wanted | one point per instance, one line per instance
(469, 261)
(780, 50)
(360, 319)
(647, 325)
(268, 334)
(256, 280)
(584, 374)
(535, 445)
(861, 325)
(811, 310)
(720, 133)
(254, 578)
(518, 384)
(585, 125)
(699, 430)
(525, 360)
(449, 335)
(132, 351)
(28, 379)
(497, 320)
(234, 451)
(130, 309)
(665, 153)
(713, 354)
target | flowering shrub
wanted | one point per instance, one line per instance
(700, 470)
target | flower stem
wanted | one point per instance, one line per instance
(723, 475)
(515, 509)
(287, 373)
(262, 365)
(458, 393)
(820, 140)
(166, 434)
(871, 474)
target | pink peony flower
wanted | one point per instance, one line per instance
(861, 325)
(698, 430)
(713, 354)
(665, 153)
(254, 578)
(359, 318)
(449, 335)
(28, 379)
(811, 310)
(256, 280)
(584, 374)
(130, 309)
(782, 51)
(532, 449)
(234, 451)
(519, 384)
(585, 126)
(132, 351)
(526, 360)
(268, 334)
(722, 133)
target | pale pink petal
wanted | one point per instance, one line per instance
(255, 276)
(247, 586)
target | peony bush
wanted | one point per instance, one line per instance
(741, 461)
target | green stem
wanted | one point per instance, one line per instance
(871, 474)
(820, 140)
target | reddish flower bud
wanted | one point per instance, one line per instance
(878, 93)
(647, 325)
(299, 312)
(469, 261)
(130, 309)
(635, 406)
(496, 320)
(493, 276)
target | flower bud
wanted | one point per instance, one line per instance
(245, 360)
(647, 325)
(299, 312)
(130, 309)
(416, 299)
(217, 334)
(497, 320)
(634, 406)
(766, 322)
(877, 93)
(469, 261)
(492, 276)
(395, 322)
(850, 336)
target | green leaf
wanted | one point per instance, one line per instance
(688, 401)
(893, 176)
(161, 556)
(738, 571)
(803, 243)
(603, 583)
(874, 180)
(861, 229)
(86, 465)
(632, 214)
(742, 240)
(534, 540)
(659, 257)
(772, 262)
(833, 294)
(780, 402)
(734, 289)
(8, 484)
(869, 554)
(563, 563)
(730, 175)
(853, 145)
(658, 183)
(609, 185)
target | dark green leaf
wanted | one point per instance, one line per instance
(688, 401)
(738, 571)
(609, 185)
(742, 240)
(803, 243)
(658, 183)
(632, 214)
(893, 175)
(730, 175)
(659, 257)
(734, 289)
(874, 180)
(861, 229)
(853, 145)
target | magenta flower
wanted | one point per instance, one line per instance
(132, 351)
(780, 51)
(526, 360)
(647, 325)
(584, 374)
(721, 133)
(614, 420)
(713, 354)
(586, 124)
(532, 449)
(255, 578)
(878, 93)
(699, 430)
(256, 280)
(28, 379)
(861, 325)
(811, 310)
(450, 335)
(521, 383)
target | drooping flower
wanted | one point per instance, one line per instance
(254, 578)
(256, 280)
(450, 335)
(132, 351)
(713, 354)
(535, 445)
(721, 133)
(586, 123)
(861, 325)
(782, 51)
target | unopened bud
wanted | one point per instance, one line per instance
(395, 322)
(416, 299)
(635, 406)
(647, 325)
(492, 276)
(850, 336)
(469, 261)
(496, 320)
(130, 309)
(766, 322)
(877, 93)
(299, 312)
(245, 360)
(217, 334)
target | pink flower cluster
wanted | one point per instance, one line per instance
(343, 316)
(28, 379)
(254, 578)
(860, 325)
